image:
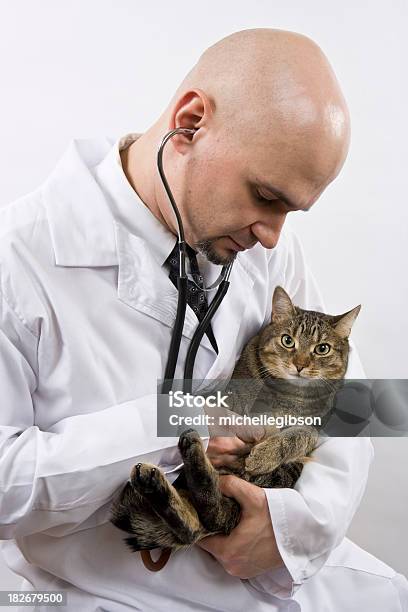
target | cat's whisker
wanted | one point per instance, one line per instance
(329, 386)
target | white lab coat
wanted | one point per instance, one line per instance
(86, 312)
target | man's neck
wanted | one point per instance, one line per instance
(138, 166)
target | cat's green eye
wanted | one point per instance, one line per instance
(322, 349)
(287, 341)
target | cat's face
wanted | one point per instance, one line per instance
(304, 344)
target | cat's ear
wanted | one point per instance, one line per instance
(343, 323)
(282, 307)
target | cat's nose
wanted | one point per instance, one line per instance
(299, 368)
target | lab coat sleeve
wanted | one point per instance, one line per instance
(310, 520)
(64, 479)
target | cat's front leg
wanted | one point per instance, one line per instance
(292, 444)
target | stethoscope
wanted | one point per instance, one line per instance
(222, 283)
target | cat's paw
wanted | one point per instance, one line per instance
(263, 458)
(147, 478)
(188, 438)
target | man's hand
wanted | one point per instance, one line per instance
(223, 428)
(250, 549)
(230, 443)
(228, 451)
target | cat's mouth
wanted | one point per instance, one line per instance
(286, 375)
(302, 375)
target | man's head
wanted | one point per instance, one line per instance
(267, 110)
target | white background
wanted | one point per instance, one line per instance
(79, 68)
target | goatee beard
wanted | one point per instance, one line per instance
(205, 247)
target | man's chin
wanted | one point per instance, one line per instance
(214, 253)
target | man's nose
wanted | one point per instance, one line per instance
(267, 230)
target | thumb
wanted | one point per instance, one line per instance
(249, 496)
(250, 433)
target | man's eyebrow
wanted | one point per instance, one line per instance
(279, 194)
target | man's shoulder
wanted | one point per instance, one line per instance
(23, 224)
(21, 212)
(25, 250)
(26, 212)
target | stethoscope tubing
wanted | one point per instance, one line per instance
(182, 291)
(199, 333)
(176, 335)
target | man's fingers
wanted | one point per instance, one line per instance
(249, 496)
(241, 447)
(230, 461)
(229, 445)
(232, 427)
(214, 544)
(252, 434)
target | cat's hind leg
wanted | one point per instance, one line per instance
(217, 513)
(132, 513)
(170, 505)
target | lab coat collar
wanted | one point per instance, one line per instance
(81, 224)
(85, 195)
(127, 207)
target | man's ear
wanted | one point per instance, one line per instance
(343, 323)
(191, 110)
(282, 307)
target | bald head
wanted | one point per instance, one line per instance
(275, 86)
(271, 132)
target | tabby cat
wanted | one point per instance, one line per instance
(304, 351)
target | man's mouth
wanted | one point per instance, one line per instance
(239, 247)
(235, 245)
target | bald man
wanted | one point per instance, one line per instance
(270, 115)
(86, 316)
